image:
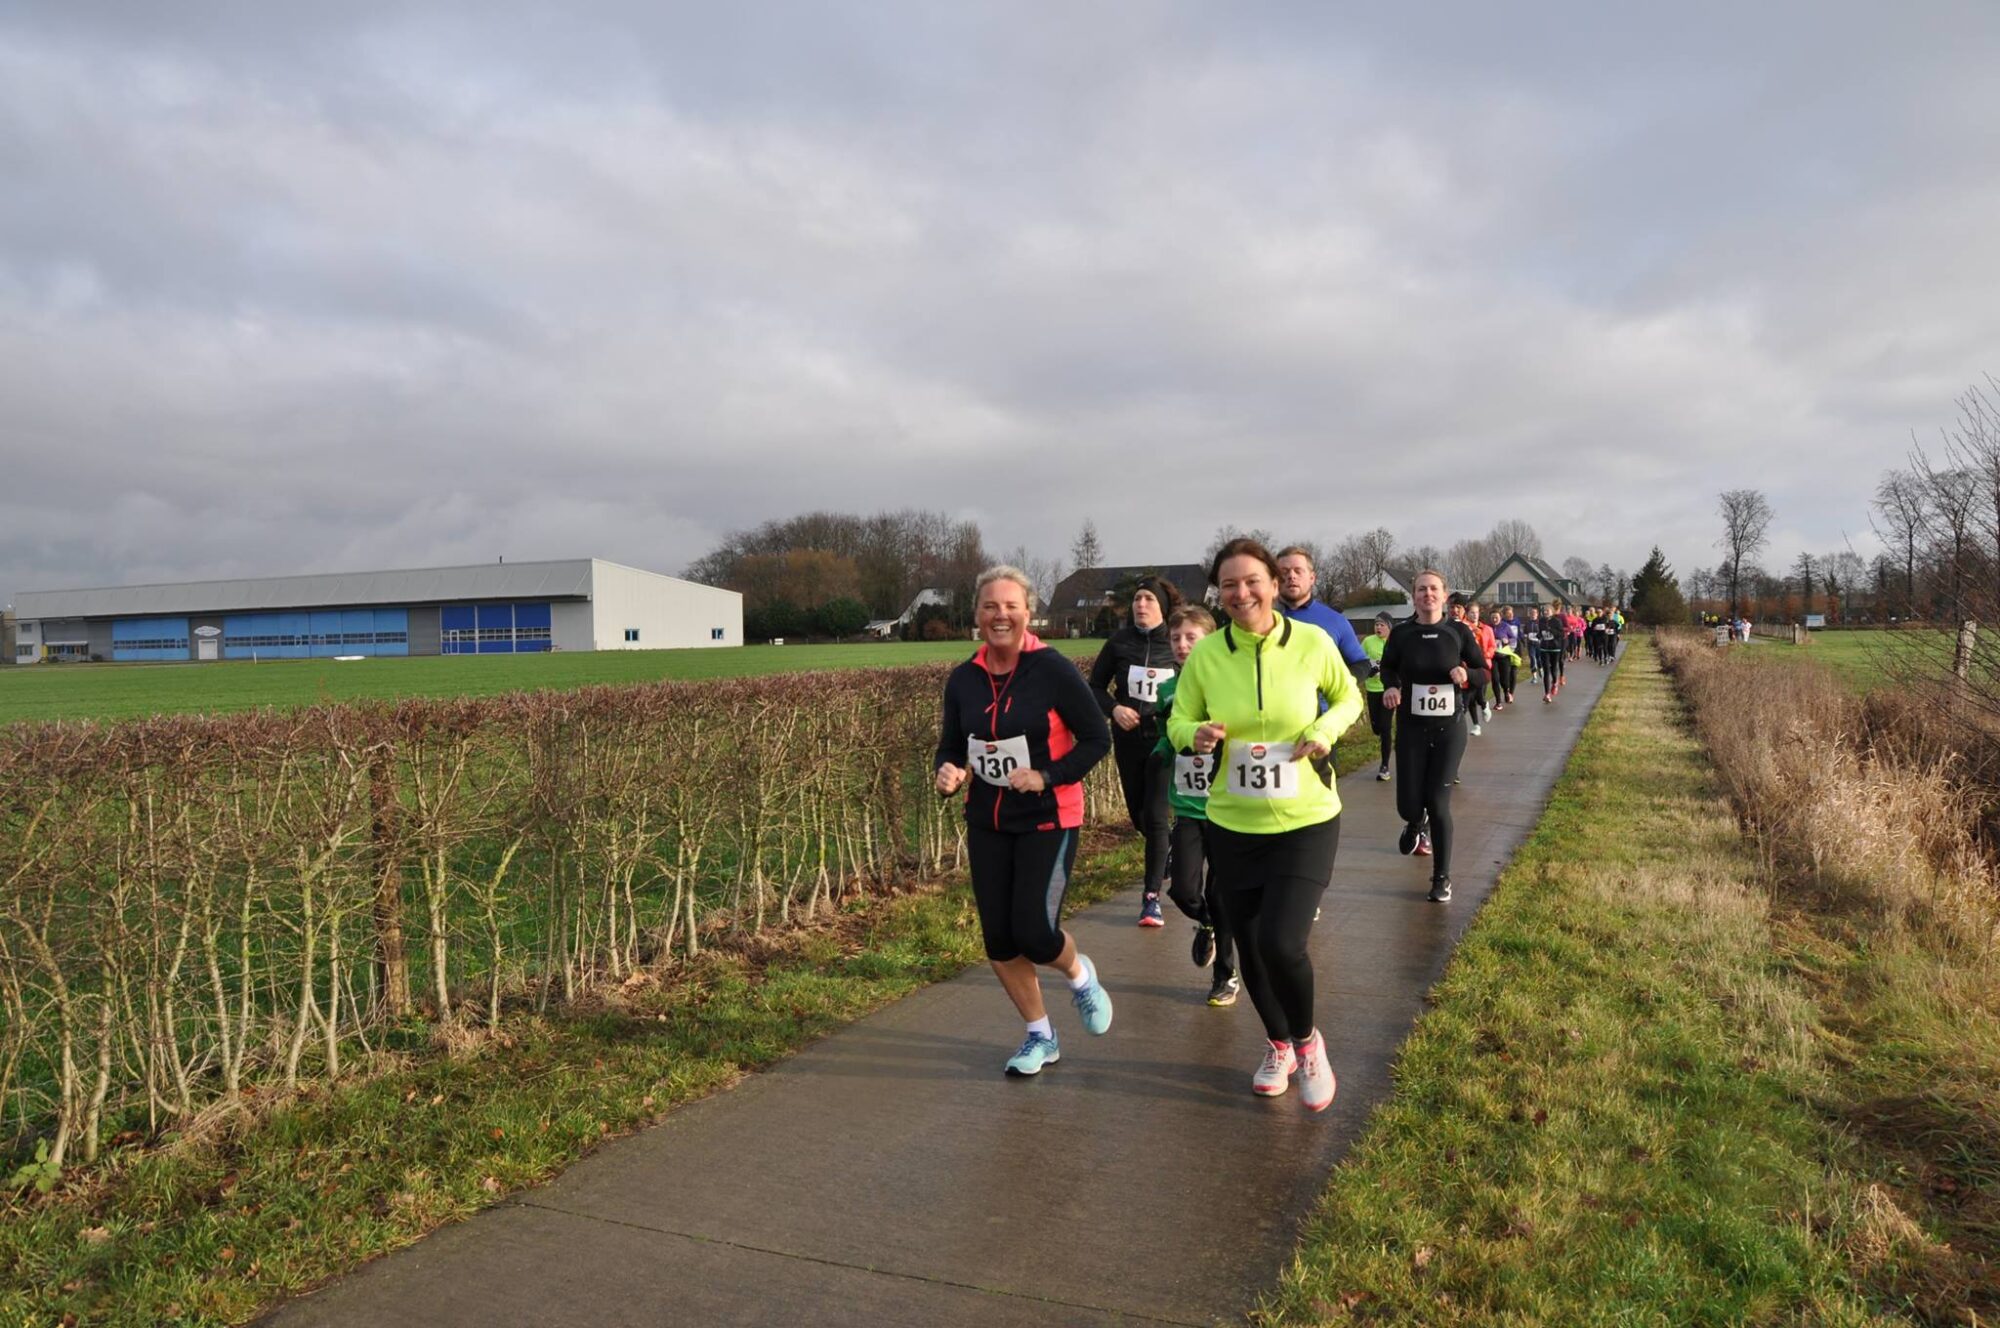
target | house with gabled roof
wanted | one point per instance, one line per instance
(1526, 582)
(1092, 599)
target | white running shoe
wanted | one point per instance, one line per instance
(1475, 730)
(1316, 1083)
(1275, 1074)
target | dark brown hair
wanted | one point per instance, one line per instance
(1242, 547)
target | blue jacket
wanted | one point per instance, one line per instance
(1334, 623)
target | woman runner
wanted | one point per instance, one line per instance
(1252, 694)
(1426, 666)
(1506, 656)
(1126, 680)
(1380, 721)
(1022, 720)
(1189, 882)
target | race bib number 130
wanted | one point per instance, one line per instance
(993, 759)
(1262, 770)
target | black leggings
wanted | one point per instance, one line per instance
(1273, 918)
(1503, 675)
(1145, 779)
(1192, 888)
(1018, 882)
(1427, 755)
(1381, 721)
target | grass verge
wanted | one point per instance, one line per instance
(240, 1212)
(1620, 1107)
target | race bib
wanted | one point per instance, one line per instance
(1192, 775)
(1431, 700)
(993, 759)
(1262, 770)
(1143, 684)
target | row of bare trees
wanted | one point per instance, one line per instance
(191, 904)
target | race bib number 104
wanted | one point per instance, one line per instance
(993, 759)
(1433, 701)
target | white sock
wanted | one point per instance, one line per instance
(1042, 1026)
(1081, 981)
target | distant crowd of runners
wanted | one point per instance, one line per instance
(1224, 742)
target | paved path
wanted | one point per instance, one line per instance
(890, 1174)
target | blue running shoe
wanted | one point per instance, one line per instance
(1149, 912)
(1092, 1002)
(1036, 1052)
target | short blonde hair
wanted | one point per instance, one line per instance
(1004, 572)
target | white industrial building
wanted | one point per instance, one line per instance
(489, 609)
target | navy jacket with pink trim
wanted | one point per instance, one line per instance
(1045, 700)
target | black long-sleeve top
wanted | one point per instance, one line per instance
(1111, 676)
(1428, 652)
(1044, 700)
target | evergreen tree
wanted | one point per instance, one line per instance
(1656, 595)
(1086, 552)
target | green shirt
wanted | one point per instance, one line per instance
(1184, 804)
(1373, 646)
(1267, 689)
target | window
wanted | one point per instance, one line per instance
(24, 652)
(1517, 592)
(715, 633)
(631, 634)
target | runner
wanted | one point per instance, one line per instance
(1573, 626)
(1270, 694)
(1189, 883)
(1296, 581)
(1022, 719)
(1380, 721)
(1546, 640)
(1429, 662)
(1126, 680)
(1506, 655)
(1482, 703)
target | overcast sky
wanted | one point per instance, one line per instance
(292, 287)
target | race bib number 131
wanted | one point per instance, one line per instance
(1262, 770)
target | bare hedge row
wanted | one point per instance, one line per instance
(190, 904)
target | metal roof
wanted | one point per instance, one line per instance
(567, 578)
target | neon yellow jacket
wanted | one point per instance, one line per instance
(1267, 689)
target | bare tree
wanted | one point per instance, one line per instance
(1426, 555)
(1226, 533)
(1803, 571)
(1516, 536)
(1899, 520)
(1087, 551)
(1746, 521)
(1045, 573)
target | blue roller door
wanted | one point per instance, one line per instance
(139, 639)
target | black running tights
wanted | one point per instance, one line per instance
(1145, 779)
(1382, 721)
(1427, 755)
(1189, 886)
(1272, 923)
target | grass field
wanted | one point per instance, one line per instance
(1863, 660)
(128, 691)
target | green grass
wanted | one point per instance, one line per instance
(1608, 1114)
(127, 691)
(215, 1229)
(1863, 660)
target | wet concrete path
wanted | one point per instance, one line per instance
(891, 1175)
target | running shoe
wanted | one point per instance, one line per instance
(1441, 890)
(1203, 951)
(1036, 1052)
(1223, 992)
(1406, 843)
(1149, 912)
(1092, 1001)
(1275, 1074)
(1316, 1082)
(1475, 730)
(1424, 844)
(1383, 773)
